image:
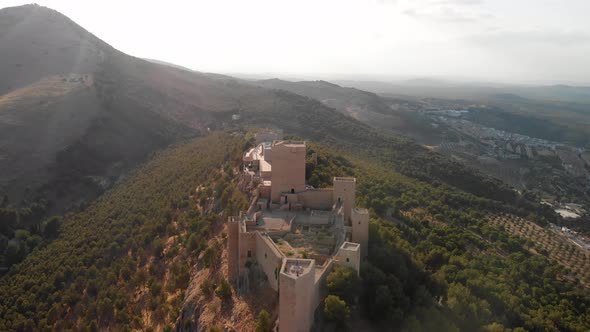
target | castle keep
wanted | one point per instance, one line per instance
(293, 235)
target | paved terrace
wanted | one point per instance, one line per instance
(273, 221)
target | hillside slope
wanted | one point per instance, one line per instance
(38, 42)
(114, 113)
(138, 256)
(352, 102)
(364, 106)
(76, 115)
(123, 261)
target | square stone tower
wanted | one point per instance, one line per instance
(360, 229)
(345, 190)
(349, 255)
(296, 295)
(288, 168)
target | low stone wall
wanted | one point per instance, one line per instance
(317, 198)
(319, 218)
(320, 260)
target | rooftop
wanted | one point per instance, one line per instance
(345, 179)
(350, 246)
(360, 211)
(294, 267)
(290, 143)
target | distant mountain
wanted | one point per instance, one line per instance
(160, 62)
(63, 136)
(76, 114)
(70, 131)
(472, 90)
(364, 106)
(350, 101)
(38, 42)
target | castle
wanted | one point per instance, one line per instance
(293, 235)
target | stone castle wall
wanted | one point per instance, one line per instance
(317, 199)
(269, 259)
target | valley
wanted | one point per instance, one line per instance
(498, 136)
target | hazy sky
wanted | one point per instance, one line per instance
(505, 40)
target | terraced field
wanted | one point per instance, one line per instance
(550, 244)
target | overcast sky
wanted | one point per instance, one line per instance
(545, 41)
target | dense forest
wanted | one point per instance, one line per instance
(22, 230)
(435, 263)
(123, 263)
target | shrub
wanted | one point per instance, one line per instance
(207, 287)
(155, 288)
(158, 247)
(223, 291)
(263, 323)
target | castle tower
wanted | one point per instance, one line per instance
(345, 190)
(349, 255)
(288, 168)
(296, 295)
(360, 229)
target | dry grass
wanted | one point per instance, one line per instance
(49, 87)
(238, 314)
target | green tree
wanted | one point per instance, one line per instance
(8, 221)
(16, 251)
(158, 247)
(223, 291)
(471, 311)
(263, 323)
(206, 287)
(93, 326)
(51, 227)
(336, 309)
(494, 327)
(344, 282)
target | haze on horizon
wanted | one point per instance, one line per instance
(528, 41)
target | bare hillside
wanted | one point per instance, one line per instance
(38, 42)
(76, 115)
